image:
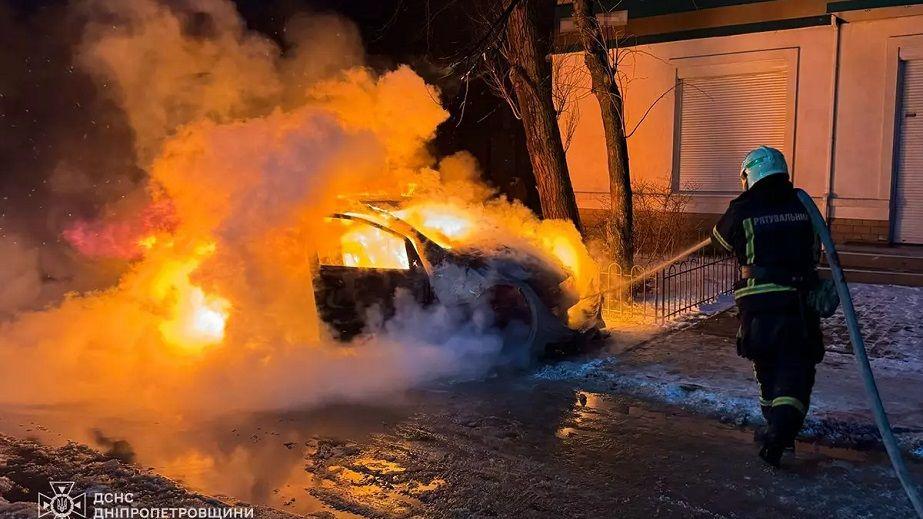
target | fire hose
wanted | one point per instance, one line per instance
(862, 360)
(855, 336)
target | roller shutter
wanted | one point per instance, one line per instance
(908, 187)
(722, 118)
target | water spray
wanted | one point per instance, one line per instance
(862, 360)
(650, 271)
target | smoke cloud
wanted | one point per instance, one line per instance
(245, 147)
(19, 274)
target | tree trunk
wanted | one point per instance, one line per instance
(606, 89)
(529, 33)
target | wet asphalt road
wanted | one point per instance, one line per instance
(512, 446)
(528, 448)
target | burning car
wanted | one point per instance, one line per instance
(372, 253)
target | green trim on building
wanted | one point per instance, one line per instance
(647, 8)
(855, 5)
(708, 32)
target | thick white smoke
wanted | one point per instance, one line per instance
(250, 147)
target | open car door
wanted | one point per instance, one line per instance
(360, 265)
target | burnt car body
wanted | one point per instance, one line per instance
(526, 296)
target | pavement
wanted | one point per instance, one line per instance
(512, 446)
(696, 366)
(657, 424)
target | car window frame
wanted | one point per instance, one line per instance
(414, 259)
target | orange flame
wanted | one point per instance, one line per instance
(196, 319)
(220, 278)
(370, 247)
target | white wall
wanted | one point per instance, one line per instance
(863, 159)
(649, 71)
(870, 51)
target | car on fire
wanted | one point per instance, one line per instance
(370, 254)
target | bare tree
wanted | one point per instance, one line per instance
(517, 65)
(566, 93)
(603, 76)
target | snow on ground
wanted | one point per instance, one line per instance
(27, 467)
(660, 383)
(891, 318)
(693, 363)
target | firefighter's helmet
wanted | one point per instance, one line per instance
(761, 163)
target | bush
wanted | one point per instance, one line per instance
(657, 210)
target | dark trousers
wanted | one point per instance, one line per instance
(785, 395)
(785, 345)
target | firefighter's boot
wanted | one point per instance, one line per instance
(771, 453)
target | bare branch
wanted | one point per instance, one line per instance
(649, 108)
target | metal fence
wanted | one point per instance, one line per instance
(670, 291)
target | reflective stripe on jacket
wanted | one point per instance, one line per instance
(767, 226)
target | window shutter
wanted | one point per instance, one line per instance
(721, 119)
(908, 192)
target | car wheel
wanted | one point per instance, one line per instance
(515, 318)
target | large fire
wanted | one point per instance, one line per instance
(196, 319)
(220, 240)
(371, 247)
(499, 224)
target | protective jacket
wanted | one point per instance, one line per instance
(770, 232)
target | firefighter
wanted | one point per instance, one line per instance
(770, 232)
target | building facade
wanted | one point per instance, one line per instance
(837, 86)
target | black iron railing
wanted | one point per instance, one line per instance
(665, 293)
